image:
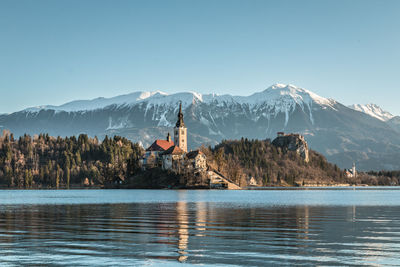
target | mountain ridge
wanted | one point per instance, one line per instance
(373, 110)
(188, 97)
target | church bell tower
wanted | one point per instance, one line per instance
(180, 131)
(354, 170)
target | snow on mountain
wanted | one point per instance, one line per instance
(98, 103)
(284, 93)
(279, 97)
(373, 110)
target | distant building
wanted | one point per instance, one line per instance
(252, 182)
(352, 173)
(173, 155)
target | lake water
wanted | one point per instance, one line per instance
(219, 228)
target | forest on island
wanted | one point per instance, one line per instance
(43, 161)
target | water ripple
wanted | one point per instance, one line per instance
(198, 232)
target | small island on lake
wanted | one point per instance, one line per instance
(45, 162)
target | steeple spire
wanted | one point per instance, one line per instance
(180, 131)
(180, 122)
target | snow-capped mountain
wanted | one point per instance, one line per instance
(285, 96)
(373, 110)
(98, 103)
(342, 134)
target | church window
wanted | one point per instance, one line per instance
(183, 131)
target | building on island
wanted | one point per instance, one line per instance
(352, 173)
(197, 160)
(173, 155)
(172, 158)
(151, 157)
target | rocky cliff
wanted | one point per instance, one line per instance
(293, 142)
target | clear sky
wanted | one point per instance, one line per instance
(52, 52)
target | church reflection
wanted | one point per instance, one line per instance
(183, 230)
(201, 218)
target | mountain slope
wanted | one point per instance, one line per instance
(394, 123)
(373, 110)
(342, 134)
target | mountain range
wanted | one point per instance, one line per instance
(364, 134)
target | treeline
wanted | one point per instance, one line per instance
(389, 174)
(43, 161)
(270, 165)
(384, 177)
(47, 162)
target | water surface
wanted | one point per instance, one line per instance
(222, 228)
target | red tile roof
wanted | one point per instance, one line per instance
(160, 145)
(174, 150)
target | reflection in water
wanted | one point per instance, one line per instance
(182, 217)
(183, 230)
(201, 218)
(198, 233)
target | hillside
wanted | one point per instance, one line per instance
(270, 165)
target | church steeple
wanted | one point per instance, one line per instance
(180, 122)
(180, 131)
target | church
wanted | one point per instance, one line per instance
(352, 173)
(173, 155)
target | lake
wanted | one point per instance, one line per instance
(325, 227)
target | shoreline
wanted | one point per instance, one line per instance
(266, 188)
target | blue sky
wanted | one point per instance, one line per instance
(52, 52)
